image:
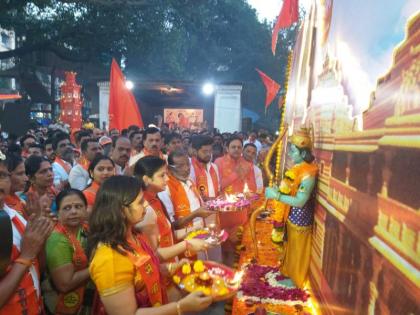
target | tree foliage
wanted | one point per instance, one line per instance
(199, 40)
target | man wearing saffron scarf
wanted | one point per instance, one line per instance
(152, 144)
(79, 176)
(204, 173)
(234, 170)
(181, 198)
(64, 159)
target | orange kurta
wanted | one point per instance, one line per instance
(229, 178)
(90, 193)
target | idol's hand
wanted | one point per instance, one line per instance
(272, 193)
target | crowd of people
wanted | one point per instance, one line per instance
(94, 222)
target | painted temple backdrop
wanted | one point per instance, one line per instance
(356, 80)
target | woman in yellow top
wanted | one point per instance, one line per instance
(124, 268)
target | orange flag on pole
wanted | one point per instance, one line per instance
(271, 86)
(289, 14)
(123, 110)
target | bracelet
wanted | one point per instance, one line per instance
(178, 308)
(23, 261)
(170, 267)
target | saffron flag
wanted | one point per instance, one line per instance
(289, 14)
(271, 86)
(123, 110)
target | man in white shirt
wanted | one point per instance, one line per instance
(79, 175)
(152, 145)
(250, 154)
(253, 139)
(63, 162)
(181, 199)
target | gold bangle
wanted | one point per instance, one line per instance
(23, 261)
(178, 308)
(170, 267)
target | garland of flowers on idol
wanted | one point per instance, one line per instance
(278, 219)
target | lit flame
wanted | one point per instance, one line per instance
(236, 281)
(231, 198)
(246, 189)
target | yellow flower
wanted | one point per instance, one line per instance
(199, 266)
(206, 290)
(186, 269)
(176, 279)
(290, 174)
(284, 188)
(222, 291)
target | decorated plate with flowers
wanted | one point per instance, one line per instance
(211, 278)
(205, 234)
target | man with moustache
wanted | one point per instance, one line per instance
(152, 145)
(136, 139)
(64, 159)
(79, 176)
(204, 173)
(181, 198)
(250, 154)
(120, 153)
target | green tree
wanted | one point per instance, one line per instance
(195, 40)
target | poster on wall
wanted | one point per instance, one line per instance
(184, 118)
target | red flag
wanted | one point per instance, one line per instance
(271, 86)
(123, 110)
(289, 14)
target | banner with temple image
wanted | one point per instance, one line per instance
(355, 80)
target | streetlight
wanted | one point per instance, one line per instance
(129, 84)
(208, 88)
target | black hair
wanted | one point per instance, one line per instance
(148, 166)
(85, 143)
(201, 140)
(306, 154)
(81, 134)
(149, 131)
(96, 161)
(173, 135)
(68, 192)
(58, 138)
(135, 132)
(133, 128)
(249, 144)
(14, 148)
(107, 223)
(233, 138)
(36, 145)
(33, 164)
(13, 161)
(124, 132)
(25, 137)
(175, 154)
(48, 141)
